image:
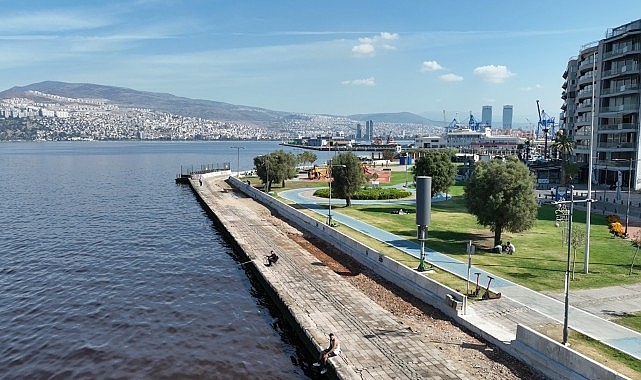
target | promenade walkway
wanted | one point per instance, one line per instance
(518, 305)
(376, 345)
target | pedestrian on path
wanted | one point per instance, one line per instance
(333, 349)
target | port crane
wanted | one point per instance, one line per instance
(547, 126)
(473, 124)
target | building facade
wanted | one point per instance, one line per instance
(601, 108)
(486, 116)
(507, 116)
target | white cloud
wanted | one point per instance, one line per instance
(360, 82)
(430, 66)
(493, 74)
(389, 36)
(367, 45)
(364, 49)
(450, 77)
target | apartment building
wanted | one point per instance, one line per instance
(601, 97)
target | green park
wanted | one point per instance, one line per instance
(542, 244)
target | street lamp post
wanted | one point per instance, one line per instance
(238, 148)
(407, 157)
(567, 270)
(627, 208)
(331, 179)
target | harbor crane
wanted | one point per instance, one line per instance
(473, 124)
(547, 126)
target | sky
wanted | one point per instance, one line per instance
(441, 59)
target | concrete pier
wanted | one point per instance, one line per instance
(375, 344)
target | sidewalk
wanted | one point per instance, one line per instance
(518, 304)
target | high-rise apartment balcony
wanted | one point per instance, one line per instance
(620, 108)
(626, 127)
(625, 50)
(620, 89)
(622, 70)
(585, 79)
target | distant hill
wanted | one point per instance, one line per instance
(396, 117)
(206, 109)
(162, 102)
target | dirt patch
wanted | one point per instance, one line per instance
(479, 358)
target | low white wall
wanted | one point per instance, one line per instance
(547, 356)
(559, 361)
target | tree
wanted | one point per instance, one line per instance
(348, 176)
(306, 157)
(277, 166)
(501, 196)
(564, 144)
(438, 165)
(577, 239)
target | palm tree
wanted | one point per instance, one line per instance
(564, 144)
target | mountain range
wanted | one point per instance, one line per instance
(206, 109)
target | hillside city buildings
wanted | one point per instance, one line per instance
(601, 107)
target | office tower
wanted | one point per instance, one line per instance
(486, 116)
(359, 131)
(507, 116)
(601, 101)
(369, 129)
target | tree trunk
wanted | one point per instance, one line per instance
(497, 235)
(348, 201)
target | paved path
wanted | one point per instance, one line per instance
(376, 345)
(518, 305)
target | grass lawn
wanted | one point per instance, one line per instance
(541, 253)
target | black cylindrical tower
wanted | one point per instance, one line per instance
(423, 200)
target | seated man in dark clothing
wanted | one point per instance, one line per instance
(272, 258)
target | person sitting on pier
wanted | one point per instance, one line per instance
(333, 349)
(272, 258)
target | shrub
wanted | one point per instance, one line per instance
(381, 194)
(370, 193)
(616, 229)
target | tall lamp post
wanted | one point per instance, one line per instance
(407, 157)
(331, 178)
(567, 269)
(238, 148)
(627, 208)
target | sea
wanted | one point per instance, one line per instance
(111, 270)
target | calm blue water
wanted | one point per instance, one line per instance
(108, 269)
